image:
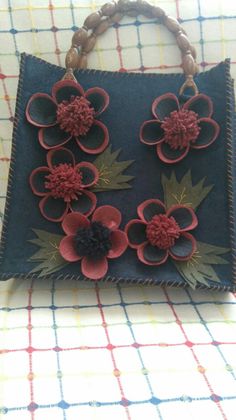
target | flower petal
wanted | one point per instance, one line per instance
(169, 155)
(136, 232)
(201, 104)
(53, 209)
(41, 110)
(61, 155)
(52, 137)
(184, 247)
(164, 105)
(37, 180)
(96, 140)
(98, 98)
(184, 216)
(85, 204)
(151, 255)
(94, 269)
(119, 244)
(151, 132)
(150, 208)
(109, 216)
(74, 221)
(89, 173)
(67, 249)
(208, 133)
(63, 90)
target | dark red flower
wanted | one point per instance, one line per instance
(70, 112)
(64, 185)
(160, 233)
(175, 130)
(93, 242)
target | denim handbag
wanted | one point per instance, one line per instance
(125, 177)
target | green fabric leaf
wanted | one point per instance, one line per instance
(184, 192)
(199, 268)
(111, 172)
(47, 257)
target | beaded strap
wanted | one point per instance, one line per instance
(98, 22)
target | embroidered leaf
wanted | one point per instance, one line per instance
(111, 171)
(199, 269)
(184, 192)
(47, 257)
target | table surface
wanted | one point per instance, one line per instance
(72, 350)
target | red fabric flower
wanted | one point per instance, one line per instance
(160, 233)
(70, 112)
(93, 242)
(175, 130)
(64, 185)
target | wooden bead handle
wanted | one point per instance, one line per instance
(110, 13)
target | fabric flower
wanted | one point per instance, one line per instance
(93, 242)
(70, 112)
(64, 185)
(160, 233)
(176, 129)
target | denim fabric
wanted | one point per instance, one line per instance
(131, 96)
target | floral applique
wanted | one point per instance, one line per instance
(160, 233)
(93, 242)
(175, 129)
(64, 185)
(70, 113)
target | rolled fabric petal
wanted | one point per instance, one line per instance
(119, 244)
(41, 110)
(164, 105)
(73, 222)
(37, 180)
(184, 216)
(85, 204)
(169, 155)
(53, 137)
(93, 268)
(151, 255)
(201, 104)
(57, 156)
(151, 132)
(98, 98)
(209, 131)
(89, 173)
(96, 140)
(184, 247)
(53, 209)
(150, 208)
(107, 215)
(67, 249)
(64, 89)
(136, 232)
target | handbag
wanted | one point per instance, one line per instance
(125, 177)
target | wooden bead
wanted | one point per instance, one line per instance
(145, 8)
(72, 58)
(183, 42)
(83, 62)
(89, 44)
(102, 27)
(172, 24)
(125, 5)
(79, 37)
(157, 12)
(193, 51)
(117, 17)
(92, 20)
(188, 64)
(108, 9)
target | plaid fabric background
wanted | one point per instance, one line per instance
(75, 350)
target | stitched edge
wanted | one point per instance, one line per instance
(230, 102)
(137, 280)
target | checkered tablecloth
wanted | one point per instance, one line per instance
(72, 350)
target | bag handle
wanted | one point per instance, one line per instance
(110, 13)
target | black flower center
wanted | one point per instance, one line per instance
(93, 241)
